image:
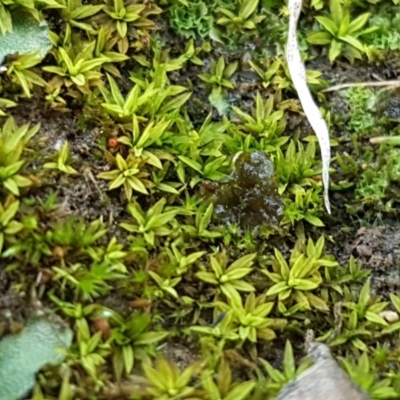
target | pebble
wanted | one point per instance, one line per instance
(324, 380)
(389, 316)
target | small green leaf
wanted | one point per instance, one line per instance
(277, 288)
(328, 24)
(375, 318)
(358, 23)
(241, 391)
(248, 8)
(289, 366)
(353, 42)
(207, 277)
(336, 11)
(334, 50)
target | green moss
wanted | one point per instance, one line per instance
(191, 20)
(103, 215)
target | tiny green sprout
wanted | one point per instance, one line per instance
(220, 74)
(132, 340)
(297, 165)
(11, 180)
(367, 307)
(279, 379)
(19, 70)
(182, 261)
(87, 283)
(246, 16)
(168, 98)
(113, 253)
(264, 122)
(166, 285)
(128, 174)
(293, 282)
(307, 205)
(104, 44)
(78, 312)
(337, 278)
(73, 12)
(275, 72)
(357, 273)
(123, 15)
(362, 321)
(4, 104)
(119, 16)
(202, 221)
(209, 169)
(167, 382)
(5, 19)
(30, 247)
(348, 165)
(229, 279)
(224, 330)
(222, 387)
(64, 158)
(54, 99)
(125, 108)
(252, 318)
(205, 141)
(364, 374)
(158, 177)
(9, 227)
(191, 53)
(89, 352)
(81, 69)
(74, 234)
(150, 223)
(342, 34)
(141, 139)
(13, 140)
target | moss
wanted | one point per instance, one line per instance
(103, 218)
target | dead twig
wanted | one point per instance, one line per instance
(393, 83)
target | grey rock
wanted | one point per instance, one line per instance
(324, 380)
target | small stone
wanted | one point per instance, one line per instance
(140, 303)
(323, 380)
(102, 325)
(389, 316)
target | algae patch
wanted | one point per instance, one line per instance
(249, 197)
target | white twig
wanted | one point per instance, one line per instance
(314, 116)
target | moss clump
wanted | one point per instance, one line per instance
(191, 21)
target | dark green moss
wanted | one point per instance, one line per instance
(249, 197)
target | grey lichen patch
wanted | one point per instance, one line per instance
(250, 196)
(24, 354)
(28, 36)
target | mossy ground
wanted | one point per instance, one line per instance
(147, 279)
